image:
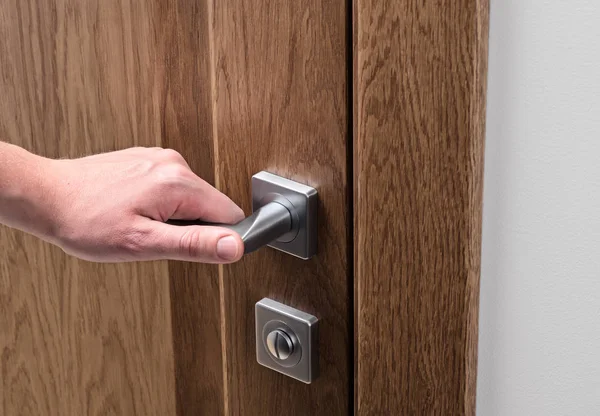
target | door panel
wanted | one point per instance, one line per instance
(236, 88)
(419, 82)
(79, 338)
(239, 87)
(281, 106)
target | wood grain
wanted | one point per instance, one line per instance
(80, 77)
(188, 128)
(419, 113)
(281, 106)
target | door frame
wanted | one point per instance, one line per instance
(419, 85)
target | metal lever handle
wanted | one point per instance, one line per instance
(265, 225)
(285, 217)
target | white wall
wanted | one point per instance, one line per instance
(539, 342)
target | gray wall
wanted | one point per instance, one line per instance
(539, 342)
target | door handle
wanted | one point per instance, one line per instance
(284, 217)
(266, 224)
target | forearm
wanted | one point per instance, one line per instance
(25, 191)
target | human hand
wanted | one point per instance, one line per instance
(112, 207)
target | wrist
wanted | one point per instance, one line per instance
(27, 199)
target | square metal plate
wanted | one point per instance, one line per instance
(303, 242)
(302, 327)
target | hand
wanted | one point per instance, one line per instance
(112, 207)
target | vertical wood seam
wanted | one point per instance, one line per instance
(223, 340)
(216, 167)
(355, 195)
(350, 187)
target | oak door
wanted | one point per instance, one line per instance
(379, 105)
(236, 87)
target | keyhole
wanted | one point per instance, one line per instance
(280, 344)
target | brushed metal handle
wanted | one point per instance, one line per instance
(284, 217)
(265, 225)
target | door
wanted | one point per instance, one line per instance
(235, 87)
(378, 105)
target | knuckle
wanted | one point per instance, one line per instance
(143, 166)
(194, 245)
(171, 175)
(171, 155)
(149, 150)
(132, 240)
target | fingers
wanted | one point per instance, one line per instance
(172, 191)
(196, 198)
(199, 200)
(192, 243)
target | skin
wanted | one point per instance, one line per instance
(112, 207)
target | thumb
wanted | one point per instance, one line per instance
(204, 244)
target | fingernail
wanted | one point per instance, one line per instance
(227, 248)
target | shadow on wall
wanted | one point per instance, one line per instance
(495, 209)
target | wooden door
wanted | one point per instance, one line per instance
(236, 87)
(379, 105)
